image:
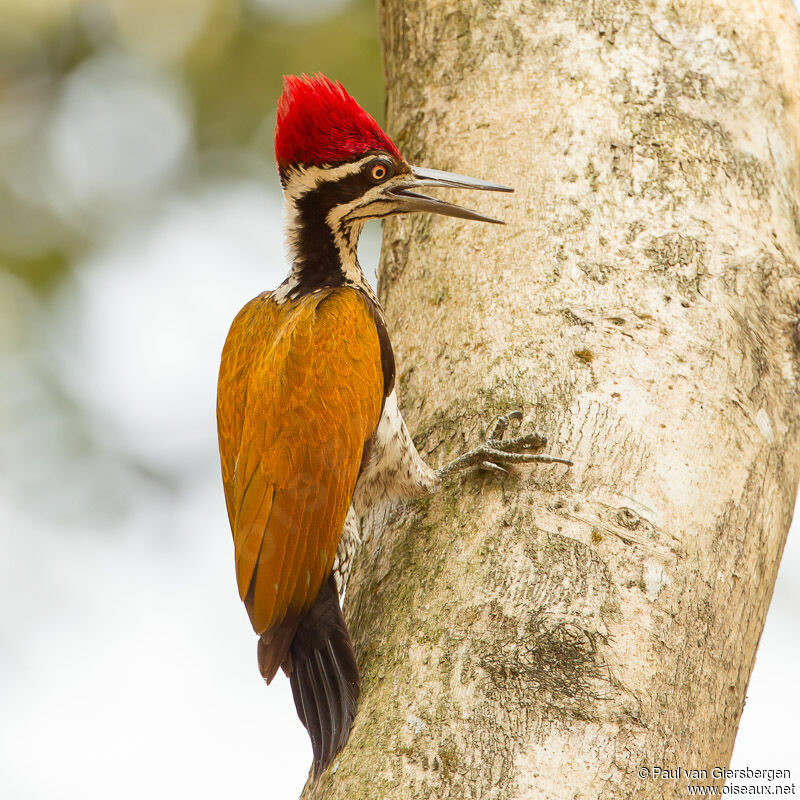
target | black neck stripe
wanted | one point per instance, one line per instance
(317, 259)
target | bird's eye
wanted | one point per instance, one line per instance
(379, 171)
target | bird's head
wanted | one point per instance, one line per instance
(334, 159)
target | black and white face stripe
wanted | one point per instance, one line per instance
(327, 208)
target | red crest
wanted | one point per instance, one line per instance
(320, 123)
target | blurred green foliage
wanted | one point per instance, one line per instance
(112, 113)
(227, 57)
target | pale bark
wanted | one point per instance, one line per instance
(548, 635)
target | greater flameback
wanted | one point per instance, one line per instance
(310, 433)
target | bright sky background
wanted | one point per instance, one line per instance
(127, 663)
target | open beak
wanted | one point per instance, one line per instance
(410, 200)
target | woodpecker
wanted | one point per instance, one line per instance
(310, 433)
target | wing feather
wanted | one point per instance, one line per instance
(300, 392)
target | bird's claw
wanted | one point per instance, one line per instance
(495, 453)
(531, 441)
(490, 466)
(509, 457)
(501, 426)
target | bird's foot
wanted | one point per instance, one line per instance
(497, 453)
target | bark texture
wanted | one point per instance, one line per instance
(548, 635)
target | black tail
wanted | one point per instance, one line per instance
(324, 676)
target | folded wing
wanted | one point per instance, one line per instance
(300, 392)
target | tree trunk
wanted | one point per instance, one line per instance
(551, 634)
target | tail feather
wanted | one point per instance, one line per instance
(273, 648)
(324, 676)
(348, 681)
(331, 705)
(305, 702)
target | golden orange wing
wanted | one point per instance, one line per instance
(300, 392)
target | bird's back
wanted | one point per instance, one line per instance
(300, 393)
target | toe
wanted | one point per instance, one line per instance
(502, 424)
(490, 466)
(531, 441)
